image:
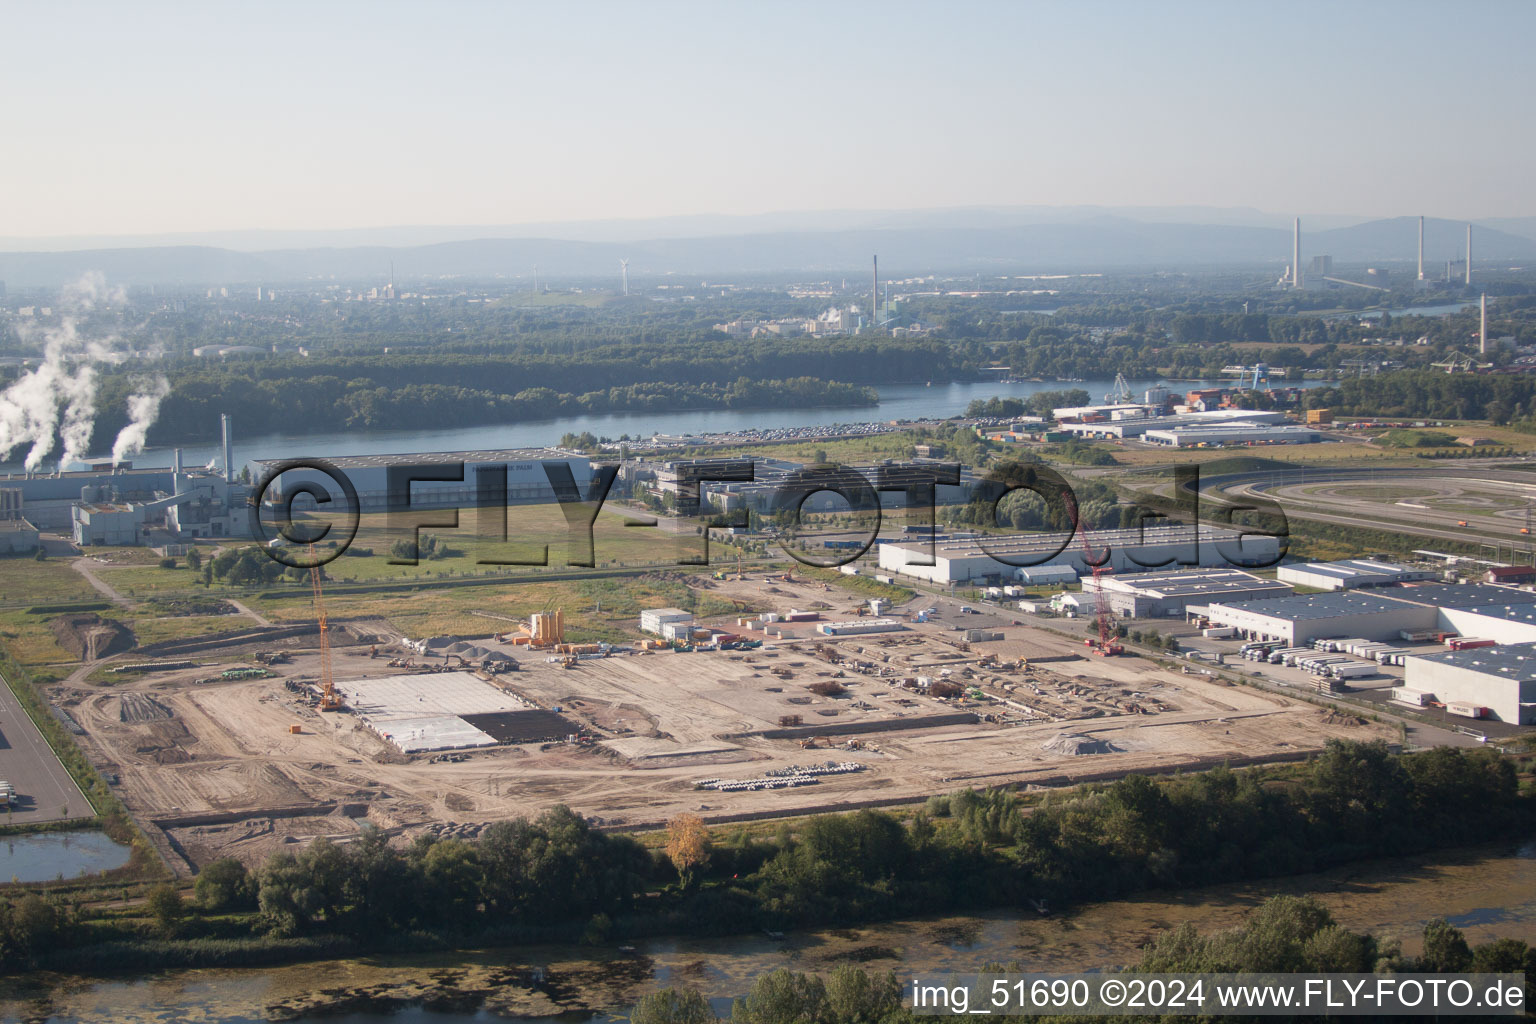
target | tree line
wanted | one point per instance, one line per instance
(557, 876)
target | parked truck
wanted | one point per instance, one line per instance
(7, 793)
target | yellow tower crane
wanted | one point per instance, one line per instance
(329, 701)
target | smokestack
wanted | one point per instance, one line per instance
(1296, 256)
(176, 461)
(1482, 328)
(874, 293)
(1421, 248)
(229, 466)
(1468, 279)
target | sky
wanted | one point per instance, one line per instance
(150, 117)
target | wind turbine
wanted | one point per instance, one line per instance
(624, 270)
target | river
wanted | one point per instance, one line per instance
(897, 402)
(1488, 891)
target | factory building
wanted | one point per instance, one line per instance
(1157, 594)
(1199, 436)
(1303, 618)
(996, 557)
(526, 478)
(1500, 679)
(1501, 623)
(18, 537)
(1350, 574)
(1129, 427)
(48, 498)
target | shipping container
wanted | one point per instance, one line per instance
(1465, 710)
(1219, 632)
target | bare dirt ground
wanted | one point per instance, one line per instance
(218, 768)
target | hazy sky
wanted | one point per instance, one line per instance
(144, 117)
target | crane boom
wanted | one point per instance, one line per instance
(328, 699)
(1105, 644)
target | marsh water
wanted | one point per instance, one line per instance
(46, 856)
(1488, 891)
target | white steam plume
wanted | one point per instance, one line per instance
(56, 401)
(143, 407)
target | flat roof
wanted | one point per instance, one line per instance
(16, 525)
(435, 458)
(1507, 612)
(1193, 582)
(1511, 661)
(1463, 595)
(1014, 543)
(1352, 568)
(1318, 606)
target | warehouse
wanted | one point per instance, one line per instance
(1157, 594)
(1501, 679)
(1350, 574)
(1501, 623)
(1041, 575)
(1303, 618)
(478, 484)
(1207, 436)
(993, 558)
(653, 619)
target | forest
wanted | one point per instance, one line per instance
(556, 877)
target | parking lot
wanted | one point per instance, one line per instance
(44, 790)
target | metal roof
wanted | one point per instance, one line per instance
(1511, 661)
(1192, 583)
(435, 458)
(1352, 568)
(1318, 606)
(1465, 595)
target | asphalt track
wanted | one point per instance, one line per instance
(44, 789)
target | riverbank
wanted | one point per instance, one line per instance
(1488, 891)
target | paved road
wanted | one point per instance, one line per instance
(43, 787)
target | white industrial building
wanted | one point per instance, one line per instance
(18, 537)
(1349, 574)
(1501, 679)
(1136, 426)
(652, 620)
(997, 556)
(856, 627)
(1042, 575)
(1154, 594)
(526, 480)
(1303, 618)
(1198, 436)
(1383, 614)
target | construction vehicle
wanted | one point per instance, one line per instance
(1104, 644)
(329, 701)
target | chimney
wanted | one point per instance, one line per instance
(1296, 256)
(176, 461)
(1421, 248)
(1468, 279)
(229, 466)
(1482, 326)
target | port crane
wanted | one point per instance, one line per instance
(329, 701)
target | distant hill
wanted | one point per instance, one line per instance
(1099, 242)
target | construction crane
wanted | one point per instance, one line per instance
(329, 701)
(1104, 645)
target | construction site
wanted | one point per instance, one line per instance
(243, 743)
